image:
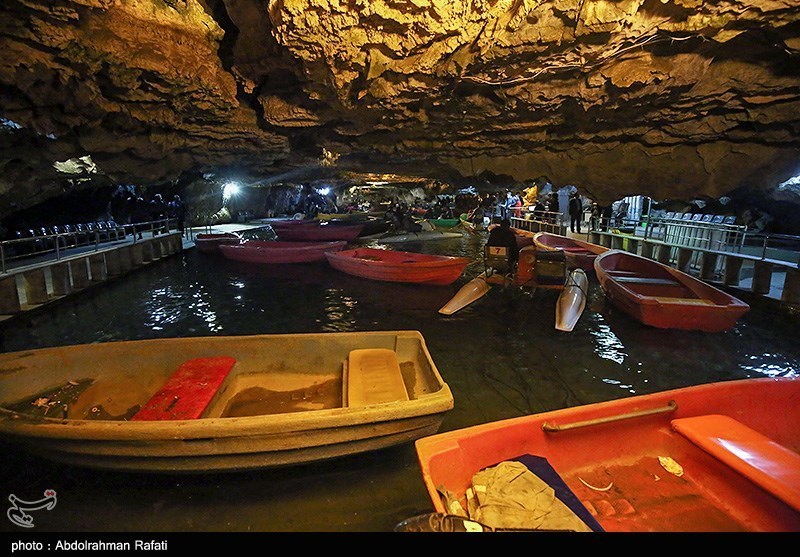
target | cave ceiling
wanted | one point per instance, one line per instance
(666, 98)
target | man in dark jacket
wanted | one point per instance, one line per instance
(575, 212)
(503, 236)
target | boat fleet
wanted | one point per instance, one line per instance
(715, 457)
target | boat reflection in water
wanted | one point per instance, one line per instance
(502, 358)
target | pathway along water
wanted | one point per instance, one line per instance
(501, 356)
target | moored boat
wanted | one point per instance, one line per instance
(275, 252)
(221, 403)
(707, 458)
(661, 296)
(209, 242)
(398, 266)
(407, 237)
(313, 230)
(578, 254)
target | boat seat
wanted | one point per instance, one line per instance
(646, 280)
(188, 391)
(757, 457)
(684, 301)
(372, 376)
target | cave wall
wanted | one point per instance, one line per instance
(665, 98)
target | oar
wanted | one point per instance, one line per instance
(470, 292)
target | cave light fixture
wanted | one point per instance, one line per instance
(230, 190)
(324, 191)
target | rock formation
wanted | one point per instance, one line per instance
(666, 98)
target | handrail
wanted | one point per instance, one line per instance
(61, 242)
(555, 428)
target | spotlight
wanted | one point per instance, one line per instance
(229, 190)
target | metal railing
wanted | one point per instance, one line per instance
(705, 233)
(60, 244)
(539, 221)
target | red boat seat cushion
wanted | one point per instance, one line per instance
(188, 391)
(765, 462)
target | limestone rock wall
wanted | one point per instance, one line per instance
(667, 98)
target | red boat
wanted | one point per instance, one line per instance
(660, 296)
(275, 252)
(578, 254)
(314, 230)
(719, 457)
(209, 243)
(398, 266)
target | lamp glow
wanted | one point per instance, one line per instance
(229, 190)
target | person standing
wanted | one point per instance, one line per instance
(575, 212)
(178, 212)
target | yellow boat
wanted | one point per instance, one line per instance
(222, 403)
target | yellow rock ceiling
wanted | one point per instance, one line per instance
(668, 98)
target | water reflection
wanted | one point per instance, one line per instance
(501, 356)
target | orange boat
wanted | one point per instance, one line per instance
(578, 254)
(708, 458)
(398, 266)
(209, 243)
(275, 252)
(660, 296)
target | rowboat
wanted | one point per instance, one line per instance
(579, 254)
(398, 266)
(317, 231)
(709, 458)
(209, 242)
(660, 296)
(277, 252)
(405, 237)
(221, 403)
(359, 215)
(572, 300)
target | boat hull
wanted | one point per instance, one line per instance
(660, 296)
(610, 455)
(398, 266)
(471, 292)
(302, 415)
(210, 243)
(572, 300)
(316, 231)
(578, 254)
(276, 252)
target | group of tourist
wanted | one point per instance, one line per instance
(129, 207)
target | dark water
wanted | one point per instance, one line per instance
(502, 358)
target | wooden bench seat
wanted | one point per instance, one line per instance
(770, 465)
(188, 391)
(373, 376)
(646, 280)
(684, 301)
